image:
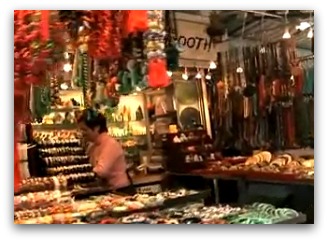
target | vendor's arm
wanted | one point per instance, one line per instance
(109, 154)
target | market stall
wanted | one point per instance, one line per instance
(200, 99)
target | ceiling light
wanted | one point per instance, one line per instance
(286, 34)
(64, 86)
(239, 70)
(303, 26)
(208, 77)
(185, 76)
(212, 65)
(169, 73)
(66, 55)
(310, 34)
(198, 76)
(67, 67)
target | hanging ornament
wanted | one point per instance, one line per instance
(136, 21)
(157, 64)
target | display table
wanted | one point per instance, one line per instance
(297, 194)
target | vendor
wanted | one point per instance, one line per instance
(106, 154)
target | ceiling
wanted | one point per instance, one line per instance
(262, 25)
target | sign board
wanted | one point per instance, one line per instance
(198, 49)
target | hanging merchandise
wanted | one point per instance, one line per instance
(84, 78)
(105, 33)
(36, 40)
(136, 21)
(172, 49)
(157, 67)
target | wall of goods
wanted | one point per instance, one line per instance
(240, 118)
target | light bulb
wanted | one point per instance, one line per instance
(286, 35)
(169, 73)
(198, 76)
(310, 34)
(185, 76)
(212, 65)
(262, 50)
(208, 77)
(239, 70)
(67, 67)
(64, 86)
(66, 55)
(138, 89)
(303, 26)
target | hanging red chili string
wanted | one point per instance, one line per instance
(99, 46)
(31, 53)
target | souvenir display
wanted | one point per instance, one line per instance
(62, 155)
(265, 163)
(240, 116)
(39, 184)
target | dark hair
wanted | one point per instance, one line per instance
(92, 118)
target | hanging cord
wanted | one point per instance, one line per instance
(244, 25)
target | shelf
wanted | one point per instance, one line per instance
(168, 203)
(65, 109)
(126, 122)
(54, 126)
(166, 115)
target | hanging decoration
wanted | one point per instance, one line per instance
(36, 39)
(157, 65)
(106, 32)
(136, 21)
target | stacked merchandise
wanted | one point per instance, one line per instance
(257, 213)
(187, 150)
(62, 155)
(48, 206)
(163, 208)
(263, 165)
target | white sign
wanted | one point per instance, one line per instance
(198, 48)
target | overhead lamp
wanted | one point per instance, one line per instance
(198, 75)
(286, 35)
(66, 55)
(208, 76)
(310, 33)
(67, 67)
(64, 86)
(262, 50)
(239, 70)
(303, 26)
(81, 28)
(212, 65)
(185, 74)
(169, 73)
